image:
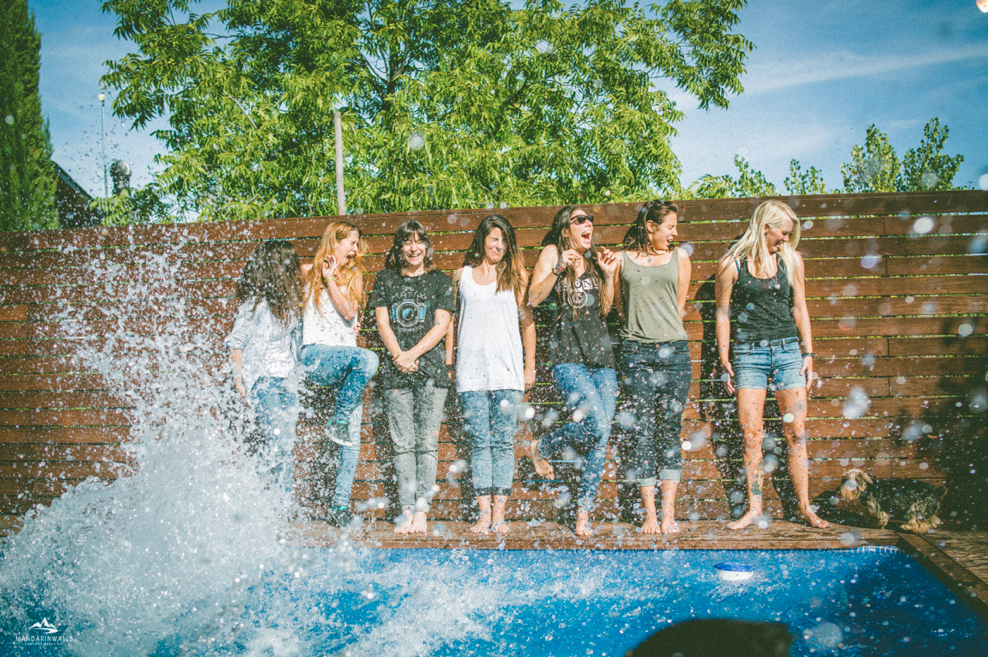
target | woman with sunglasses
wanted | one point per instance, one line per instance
(575, 281)
(656, 371)
(761, 299)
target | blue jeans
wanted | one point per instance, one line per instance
(275, 403)
(657, 378)
(591, 393)
(348, 370)
(489, 420)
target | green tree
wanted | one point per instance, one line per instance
(874, 167)
(805, 182)
(445, 104)
(926, 168)
(27, 175)
(749, 183)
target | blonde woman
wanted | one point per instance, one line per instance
(495, 364)
(761, 299)
(334, 291)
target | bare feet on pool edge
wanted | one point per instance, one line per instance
(670, 526)
(583, 523)
(404, 522)
(419, 524)
(813, 520)
(483, 523)
(745, 520)
(542, 467)
(651, 524)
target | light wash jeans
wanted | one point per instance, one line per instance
(348, 370)
(593, 394)
(414, 418)
(489, 421)
(275, 403)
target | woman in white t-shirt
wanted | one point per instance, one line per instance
(334, 292)
(495, 362)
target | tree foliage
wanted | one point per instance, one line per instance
(805, 182)
(874, 167)
(27, 175)
(927, 168)
(461, 103)
(748, 183)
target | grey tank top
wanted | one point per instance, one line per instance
(650, 301)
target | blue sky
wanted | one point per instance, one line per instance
(821, 72)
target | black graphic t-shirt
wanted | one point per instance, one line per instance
(412, 302)
(583, 340)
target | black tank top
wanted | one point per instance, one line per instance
(583, 340)
(761, 308)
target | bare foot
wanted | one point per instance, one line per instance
(745, 520)
(814, 520)
(651, 524)
(498, 525)
(583, 523)
(483, 523)
(404, 524)
(670, 526)
(542, 467)
(419, 523)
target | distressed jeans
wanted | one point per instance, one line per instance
(414, 418)
(489, 421)
(592, 395)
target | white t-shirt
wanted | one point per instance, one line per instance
(328, 326)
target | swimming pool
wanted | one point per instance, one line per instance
(873, 601)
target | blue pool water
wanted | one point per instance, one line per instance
(346, 601)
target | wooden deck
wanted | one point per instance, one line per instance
(699, 535)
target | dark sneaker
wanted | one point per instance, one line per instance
(338, 434)
(340, 517)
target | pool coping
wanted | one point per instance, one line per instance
(948, 570)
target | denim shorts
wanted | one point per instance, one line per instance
(774, 366)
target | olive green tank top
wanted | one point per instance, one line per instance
(650, 295)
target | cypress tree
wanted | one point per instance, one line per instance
(27, 174)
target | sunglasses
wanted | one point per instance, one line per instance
(582, 219)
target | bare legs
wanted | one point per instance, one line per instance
(669, 524)
(751, 407)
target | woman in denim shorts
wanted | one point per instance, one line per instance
(654, 279)
(761, 298)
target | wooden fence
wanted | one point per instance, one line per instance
(897, 286)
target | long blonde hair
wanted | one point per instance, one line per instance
(751, 245)
(349, 277)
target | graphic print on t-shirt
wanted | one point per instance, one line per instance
(580, 295)
(409, 313)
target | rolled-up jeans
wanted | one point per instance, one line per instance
(275, 403)
(348, 370)
(592, 395)
(414, 418)
(489, 420)
(657, 378)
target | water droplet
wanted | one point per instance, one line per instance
(923, 225)
(9, 119)
(416, 141)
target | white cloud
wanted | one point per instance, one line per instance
(845, 65)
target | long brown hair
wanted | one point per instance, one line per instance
(511, 272)
(655, 211)
(272, 275)
(555, 237)
(348, 277)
